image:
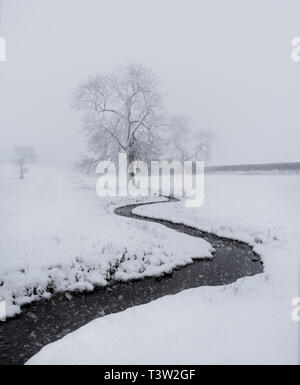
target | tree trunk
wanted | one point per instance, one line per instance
(131, 159)
(21, 173)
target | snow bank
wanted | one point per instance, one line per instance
(199, 326)
(248, 322)
(261, 210)
(57, 235)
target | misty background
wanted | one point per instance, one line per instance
(226, 64)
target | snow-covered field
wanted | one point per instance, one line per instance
(247, 322)
(57, 235)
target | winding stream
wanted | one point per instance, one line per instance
(47, 321)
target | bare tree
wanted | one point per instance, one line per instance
(86, 164)
(186, 143)
(23, 155)
(122, 113)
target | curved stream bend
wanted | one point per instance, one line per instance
(47, 321)
(232, 259)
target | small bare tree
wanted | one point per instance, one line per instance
(23, 155)
(122, 113)
(186, 143)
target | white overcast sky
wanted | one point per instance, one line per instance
(226, 63)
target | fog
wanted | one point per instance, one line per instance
(226, 64)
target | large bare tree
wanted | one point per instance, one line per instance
(122, 112)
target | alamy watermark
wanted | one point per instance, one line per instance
(296, 50)
(2, 310)
(296, 309)
(178, 179)
(2, 49)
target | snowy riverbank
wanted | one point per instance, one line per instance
(247, 322)
(57, 235)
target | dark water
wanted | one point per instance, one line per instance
(49, 320)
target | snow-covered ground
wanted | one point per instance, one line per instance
(247, 322)
(57, 235)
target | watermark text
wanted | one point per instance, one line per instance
(2, 49)
(160, 178)
(2, 310)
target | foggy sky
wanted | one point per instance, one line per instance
(225, 63)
